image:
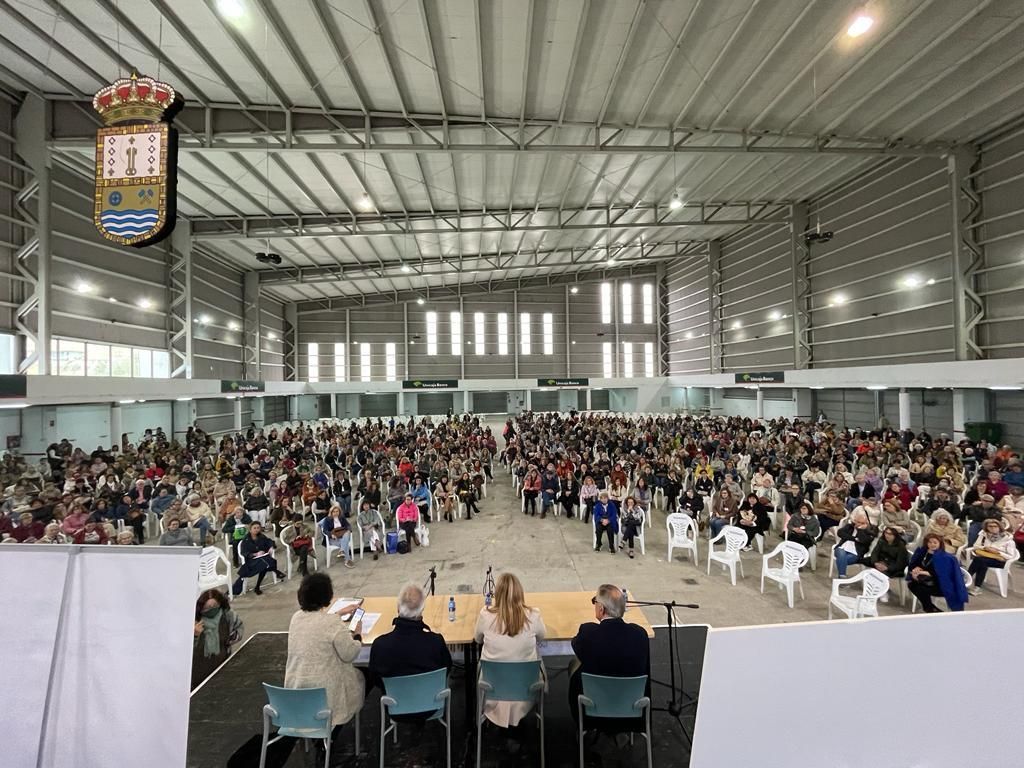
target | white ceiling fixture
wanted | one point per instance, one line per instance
(112, 300)
(861, 24)
(1003, 388)
(205, 320)
(736, 325)
(876, 387)
(911, 281)
(83, 287)
(365, 203)
(420, 301)
(775, 315)
(406, 268)
(145, 303)
(676, 202)
(232, 326)
(838, 299)
(574, 289)
(231, 9)
(271, 335)
(689, 334)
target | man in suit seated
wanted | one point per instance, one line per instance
(410, 648)
(612, 648)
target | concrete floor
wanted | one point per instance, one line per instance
(557, 554)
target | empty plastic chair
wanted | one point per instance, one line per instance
(615, 697)
(874, 584)
(794, 557)
(416, 694)
(301, 713)
(682, 534)
(735, 540)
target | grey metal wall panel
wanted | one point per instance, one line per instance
(587, 330)
(686, 317)
(1008, 410)
(490, 365)
(433, 403)
(271, 349)
(599, 399)
(217, 303)
(544, 401)
(384, 404)
(1000, 180)
(376, 326)
(275, 410)
(536, 302)
(853, 408)
(890, 225)
(755, 282)
(443, 365)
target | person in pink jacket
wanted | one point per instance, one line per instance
(408, 517)
(531, 489)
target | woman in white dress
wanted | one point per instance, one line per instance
(509, 631)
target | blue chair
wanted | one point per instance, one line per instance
(510, 681)
(416, 694)
(615, 697)
(301, 713)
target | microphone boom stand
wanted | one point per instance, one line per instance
(675, 707)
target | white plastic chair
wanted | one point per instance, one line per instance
(245, 581)
(794, 557)
(682, 534)
(873, 583)
(287, 536)
(209, 577)
(735, 540)
(968, 583)
(359, 532)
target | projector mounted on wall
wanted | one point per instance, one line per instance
(268, 258)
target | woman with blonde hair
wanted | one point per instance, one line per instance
(509, 630)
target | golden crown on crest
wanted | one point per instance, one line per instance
(134, 98)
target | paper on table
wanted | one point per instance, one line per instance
(345, 604)
(369, 620)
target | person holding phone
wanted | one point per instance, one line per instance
(322, 649)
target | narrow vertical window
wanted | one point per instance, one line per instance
(339, 362)
(627, 303)
(390, 361)
(431, 333)
(648, 302)
(606, 355)
(627, 359)
(365, 362)
(502, 333)
(313, 362)
(549, 333)
(606, 302)
(524, 332)
(649, 359)
(456, 320)
(479, 326)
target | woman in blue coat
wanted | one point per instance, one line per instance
(606, 521)
(933, 572)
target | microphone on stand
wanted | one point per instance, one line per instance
(430, 580)
(488, 587)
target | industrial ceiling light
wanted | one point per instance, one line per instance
(876, 387)
(420, 301)
(911, 281)
(676, 202)
(271, 335)
(839, 299)
(737, 325)
(930, 281)
(232, 326)
(112, 300)
(204, 320)
(145, 303)
(689, 334)
(406, 268)
(776, 315)
(574, 289)
(232, 9)
(861, 24)
(365, 203)
(83, 287)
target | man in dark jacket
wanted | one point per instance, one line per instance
(410, 648)
(612, 648)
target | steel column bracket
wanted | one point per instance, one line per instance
(968, 254)
(179, 281)
(252, 336)
(291, 342)
(716, 324)
(800, 281)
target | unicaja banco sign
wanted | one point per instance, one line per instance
(764, 377)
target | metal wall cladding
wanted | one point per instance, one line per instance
(384, 404)
(686, 302)
(1008, 410)
(434, 403)
(1000, 230)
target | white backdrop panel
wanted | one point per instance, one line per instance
(123, 651)
(31, 580)
(768, 693)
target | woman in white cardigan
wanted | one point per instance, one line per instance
(509, 631)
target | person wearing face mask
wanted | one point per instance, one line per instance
(933, 572)
(217, 629)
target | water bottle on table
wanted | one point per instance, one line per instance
(451, 608)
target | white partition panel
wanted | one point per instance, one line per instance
(806, 695)
(122, 617)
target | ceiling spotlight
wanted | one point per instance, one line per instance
(860, 25)
(574, 289)
(574, 342)
(268, 258)
(689, 334)
(676, 202)
(145, 303)
(776, 315)
(611, 262)
(406, 268)
(232, 326)
(365, 203)
(930, 281)
(83, 287)
(232, 9)
(911, 281)
(412, 343)
(112, 300)
(839, 299)
(737, 325)
(271, 335)
(204, 320)
(876, 387)
(420, 301)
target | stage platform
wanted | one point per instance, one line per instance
(227, 710)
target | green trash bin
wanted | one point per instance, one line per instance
(984, 430)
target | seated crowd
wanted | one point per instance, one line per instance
(875, 496)
(290, 486)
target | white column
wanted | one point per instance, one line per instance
(115, 425)
(589, 407)
(334, 406)
(904, 409)
(401, 403)
(529, 400)
(968, 405)
(760, 403)
(236, 407)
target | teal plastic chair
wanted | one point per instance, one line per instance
(415, 694)
(301, 713)
(509, 681)
(615, 697)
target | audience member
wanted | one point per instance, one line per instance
(217, 629)
(933, 572)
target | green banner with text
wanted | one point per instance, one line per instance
(763, 377)
(430, 384)
(563, 382)
(237, 387)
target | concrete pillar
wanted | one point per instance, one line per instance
(716, 400)
(115, 425)
(469, 401)
(589, 406)
(236, 412)
(293, 408)
(259, 412)
(760, 403)
(904, 409)
(803, 400)
(529, 400)
(333, 407)
(969, 405)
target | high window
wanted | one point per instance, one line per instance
(456, 321)
(649, 359)
(524, 333)
(479, 326)
(390, 361)
(627, 303)
(365, 362)
(548, 323)
(606, 356)
(431, 333)
(313, 361)
(647, 297)
(502, 333)
(339, 362)
(606, 302)
(627, 359)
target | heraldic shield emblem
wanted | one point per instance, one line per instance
(136, 161)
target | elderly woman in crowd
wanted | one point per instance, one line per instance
(588, 497)
(368, 520)
(258, 551)
(176, 534)
(992, 549)
(890, 554)
(896, 517)
(803, 526)
(933, 572)
(199, 515)
(631, 522)
(724, 510)
(217, 629)
(855, 540)
(338, 532)
(952, 535)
